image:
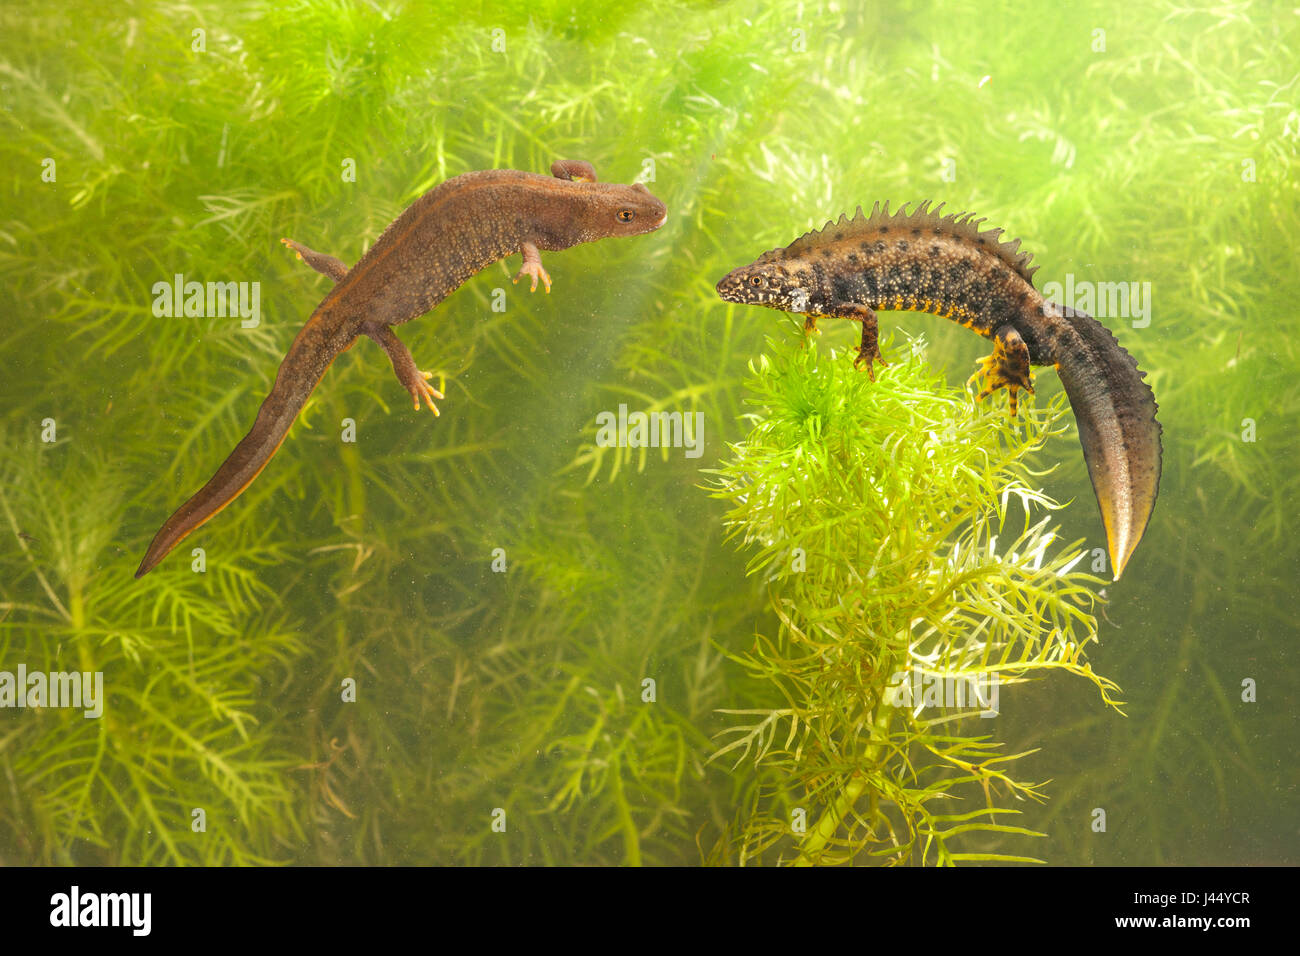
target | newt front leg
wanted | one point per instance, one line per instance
(533, 267)
(574, 170)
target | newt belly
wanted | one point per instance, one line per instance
(923, 261)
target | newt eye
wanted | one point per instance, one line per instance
(626, 215)
(756, 281)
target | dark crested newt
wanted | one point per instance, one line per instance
(923, 261)
(451, 232)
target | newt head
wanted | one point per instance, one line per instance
(764, 283)
(617, 210)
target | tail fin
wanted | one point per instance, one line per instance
(1116, 413)
(310, 355)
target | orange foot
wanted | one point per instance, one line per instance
(420, 388)
(1007, 367)
(534, 269)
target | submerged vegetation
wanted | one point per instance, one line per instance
(498, 587)
(884, 518)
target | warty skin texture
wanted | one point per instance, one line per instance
(927, 262)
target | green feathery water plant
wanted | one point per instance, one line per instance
(897, 526)
(178, 766)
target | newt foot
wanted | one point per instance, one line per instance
(327, 265)
(534, 269)
(866, 358)
(991, 378)
(421, 389)
(1007, 367)
(993, 375)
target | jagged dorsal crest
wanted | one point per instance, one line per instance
(963, 226)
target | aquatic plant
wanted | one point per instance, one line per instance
(181, 764)
(522, 689)
(913, 575)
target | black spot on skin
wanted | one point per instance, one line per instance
(839, 236)
(902, 245)
(864, 246)
(844, 289)
(893, 278)
(826, 253)
(934, 251)
(853, 257)
(916, 232)
(956, 273)
(820, 282)
(872, 285)
(884, 229)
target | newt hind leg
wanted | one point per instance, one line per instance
(577, 170)
(408, 373)
(413, 380)
(328, 265)
(1007, 367)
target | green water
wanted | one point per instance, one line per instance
(1123, 143)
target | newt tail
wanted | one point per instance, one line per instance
(312, 352)
(926, 262)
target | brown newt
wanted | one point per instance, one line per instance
(451, 232)
(926, 262)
